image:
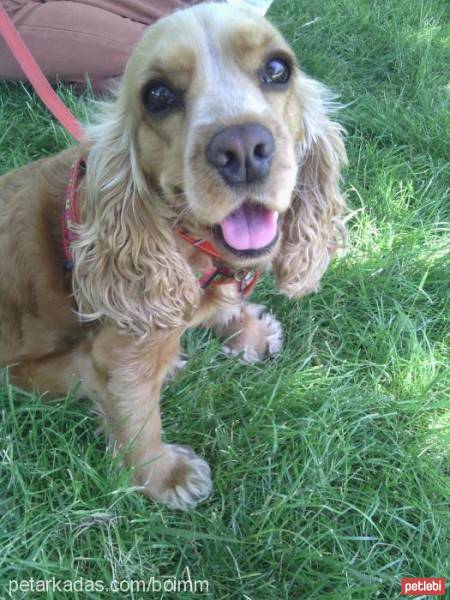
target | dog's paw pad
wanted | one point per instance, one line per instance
(246, 355)
(261, 337)
(189, 481)
(274, 339)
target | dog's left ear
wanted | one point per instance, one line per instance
(312, 227)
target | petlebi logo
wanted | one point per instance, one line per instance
(423, 586)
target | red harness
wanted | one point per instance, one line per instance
(71, 213)
(219, 274)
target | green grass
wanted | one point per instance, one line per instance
(331, 464)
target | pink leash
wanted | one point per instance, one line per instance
(36, 77)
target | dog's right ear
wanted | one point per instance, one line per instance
(313, 227)
(127, 266)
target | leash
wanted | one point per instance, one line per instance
(36, 77)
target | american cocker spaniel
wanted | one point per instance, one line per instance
(216, 160)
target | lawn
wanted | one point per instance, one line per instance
(331, 464)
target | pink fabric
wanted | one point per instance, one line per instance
(70, 39)
(36, 77)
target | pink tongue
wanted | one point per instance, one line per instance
(250, 227)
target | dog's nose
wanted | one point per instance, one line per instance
(242, 153)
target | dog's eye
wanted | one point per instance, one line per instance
(276, 71)
(158, 98)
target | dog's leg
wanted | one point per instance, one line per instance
(127, 379)
(249, 330)
(54, 375)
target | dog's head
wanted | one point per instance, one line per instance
(217, 131)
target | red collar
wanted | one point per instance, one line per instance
(71, 215)
(219, 274)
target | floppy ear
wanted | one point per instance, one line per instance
(127, 267)
(312, 228)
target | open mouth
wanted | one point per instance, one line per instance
(251, 230)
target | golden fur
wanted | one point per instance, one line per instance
(115, 323)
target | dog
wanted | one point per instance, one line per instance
(216, 159)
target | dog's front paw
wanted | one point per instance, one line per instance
(259, 336)
(181, 479)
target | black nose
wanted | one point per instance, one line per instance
(242, 153)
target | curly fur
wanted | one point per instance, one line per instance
(127, 267)
(313, 227)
